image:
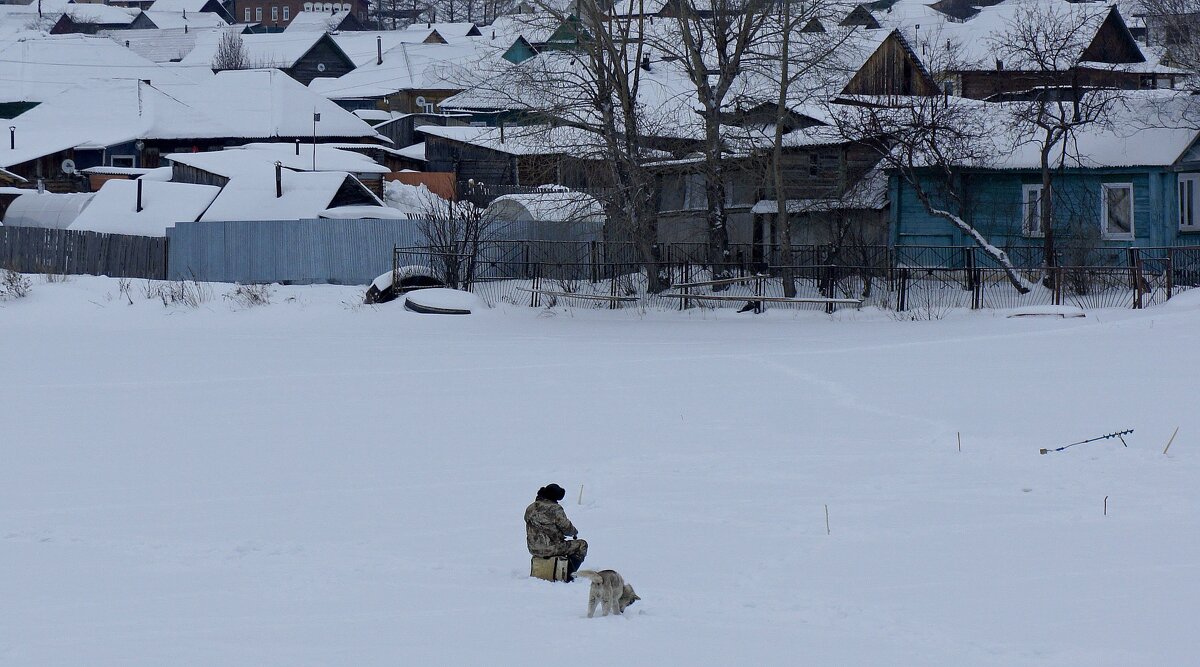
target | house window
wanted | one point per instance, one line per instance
(694, 196)
(258, 14)
(1189, 204)
(1116, 215)
(287, 13)
(274, 13)
(121, 161)
(247, 15)
(814, 164)
(1031, 210)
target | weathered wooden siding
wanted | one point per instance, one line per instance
(326, 53)
(891, 70)
(468, 161)
(37, 250)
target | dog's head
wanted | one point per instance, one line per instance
(628, 597)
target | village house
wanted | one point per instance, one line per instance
(134, 123)
(304, 56)
(1135, 183)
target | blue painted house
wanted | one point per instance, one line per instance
(1123, 187)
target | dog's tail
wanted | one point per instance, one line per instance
(589, 574)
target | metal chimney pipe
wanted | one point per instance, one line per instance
(278, 179)
(12, 137)
(139, 195)
(379, 50)
(297, 147)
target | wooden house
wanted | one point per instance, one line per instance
(1118, 189)
(90, 19)
(303, 56)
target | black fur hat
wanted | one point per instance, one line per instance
(552, 492)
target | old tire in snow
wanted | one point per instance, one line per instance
(442, 301)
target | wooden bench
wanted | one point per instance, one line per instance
(857, 303)
(612, 299)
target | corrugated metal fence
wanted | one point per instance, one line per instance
(38, 250)
(299, 252)
(342, 252)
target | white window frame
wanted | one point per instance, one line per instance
(258, 14)
(287, 12)
(1189, 207)
(247, 15)
(1030, 218)
(1104, 233)
(274, 13)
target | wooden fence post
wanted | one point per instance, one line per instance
(902, 293)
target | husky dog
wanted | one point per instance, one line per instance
(609, 591)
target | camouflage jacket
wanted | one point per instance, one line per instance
(546, 527)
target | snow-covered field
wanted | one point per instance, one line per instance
(315, 482)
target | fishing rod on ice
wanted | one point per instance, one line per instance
(1119, 435)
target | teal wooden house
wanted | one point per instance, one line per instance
(1117, 188)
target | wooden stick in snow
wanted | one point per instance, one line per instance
(1171, 440)
(580, 495)
(827, 519)
(960, 442)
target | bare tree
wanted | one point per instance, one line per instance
(799, 65)
(1048, 40)
(588, 90)
(927, 142)
(710, 44)
(454, 232)
(231, 52)
(1174, 26)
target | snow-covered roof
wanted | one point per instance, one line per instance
(452, 30)
(118, 111)
(192, 20)
(405, 67)
(368, 212)
(243, 104)
(979, 41)
(101, 14)
(362, 46)
(525, 140)
(1146, 129)
(35, 69)
(113, 210)
(279, 49)
(169, 44)
(250, 195)
(314, 22)
(258, 156)
(413, 152)
(266, 103)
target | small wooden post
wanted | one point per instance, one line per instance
(580, 502)
(1171, 440)
(960, 442)
(1105, 505)
(827, 520)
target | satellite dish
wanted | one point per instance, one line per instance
(68, 166)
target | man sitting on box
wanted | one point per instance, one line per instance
(547, 527)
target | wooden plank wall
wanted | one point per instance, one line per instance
(37, 250)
